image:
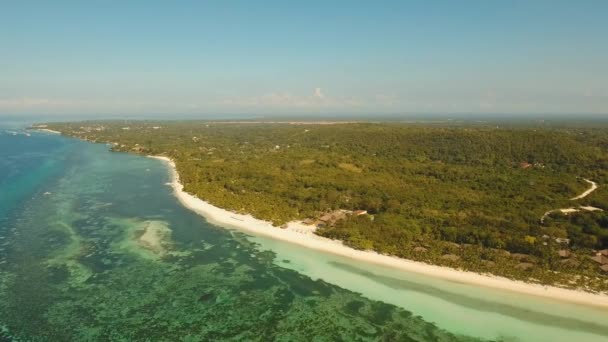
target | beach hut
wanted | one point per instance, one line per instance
(333, 217)
(600, 259)
(308, 221)
(326, 218)
(573, 262)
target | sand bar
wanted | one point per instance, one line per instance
(155, 236)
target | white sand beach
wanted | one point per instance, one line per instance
(303, 235)
(48, 130)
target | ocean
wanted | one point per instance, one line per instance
(94, 246)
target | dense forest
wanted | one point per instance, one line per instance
(464, 196)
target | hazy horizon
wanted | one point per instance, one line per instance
(314, 58)
(474, 119)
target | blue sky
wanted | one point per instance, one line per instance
(298, 57)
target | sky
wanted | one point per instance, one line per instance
(301, 57)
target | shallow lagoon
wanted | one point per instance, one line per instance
(72, 267)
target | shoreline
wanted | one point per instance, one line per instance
(303, 235)
(47, 130)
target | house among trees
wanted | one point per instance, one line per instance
(138, 148)
(326, 218)
(601, 258)
(309, 221)
(572, 262)
(333, 217)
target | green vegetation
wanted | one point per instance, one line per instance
(467, 196)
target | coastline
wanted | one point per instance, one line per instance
(303, 235)
(47, 130)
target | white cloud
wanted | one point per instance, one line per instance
(318, 93)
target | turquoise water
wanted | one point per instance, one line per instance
(93, 246)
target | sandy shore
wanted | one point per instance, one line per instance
(303, 235)
(48, 130)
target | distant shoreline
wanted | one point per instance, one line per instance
(292, 122)
(303, 235)
(47, 130)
